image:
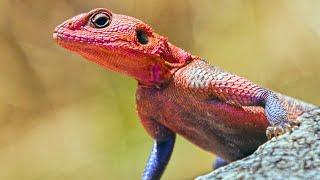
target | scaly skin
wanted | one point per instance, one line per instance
(178, 92)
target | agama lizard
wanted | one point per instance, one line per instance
(179, 93)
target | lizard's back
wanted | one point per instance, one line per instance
(188, 109)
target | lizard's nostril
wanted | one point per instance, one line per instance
(70, 25)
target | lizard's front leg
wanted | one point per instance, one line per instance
(158, 158)
(276, 115)
(164, 140)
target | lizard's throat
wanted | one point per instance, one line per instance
(147, 71)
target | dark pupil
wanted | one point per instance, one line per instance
(101, 20)
(142, 37)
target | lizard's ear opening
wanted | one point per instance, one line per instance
(142, 36)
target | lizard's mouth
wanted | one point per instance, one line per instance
(62, 35)
(55, 35)
(64, 41)
(72, 41)
(78, 42)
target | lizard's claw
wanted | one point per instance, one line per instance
(275, 131)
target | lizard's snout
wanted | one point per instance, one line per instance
(67, 28)
(74, 23)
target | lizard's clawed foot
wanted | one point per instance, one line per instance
(277, 130)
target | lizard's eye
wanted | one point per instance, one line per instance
(100, 20)
(142, 36)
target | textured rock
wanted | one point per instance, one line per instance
(294, 156)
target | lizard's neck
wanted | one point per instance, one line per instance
(177, 57)
(174, 58)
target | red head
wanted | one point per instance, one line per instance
(122, 44)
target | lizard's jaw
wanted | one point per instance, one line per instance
(147, 70)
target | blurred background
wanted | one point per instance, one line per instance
(65, 118)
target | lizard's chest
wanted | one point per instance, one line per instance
(217, 127)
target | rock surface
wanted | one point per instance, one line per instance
(290, 156)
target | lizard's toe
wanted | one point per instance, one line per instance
(294, 123)
(277, 130)
(274, 131)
